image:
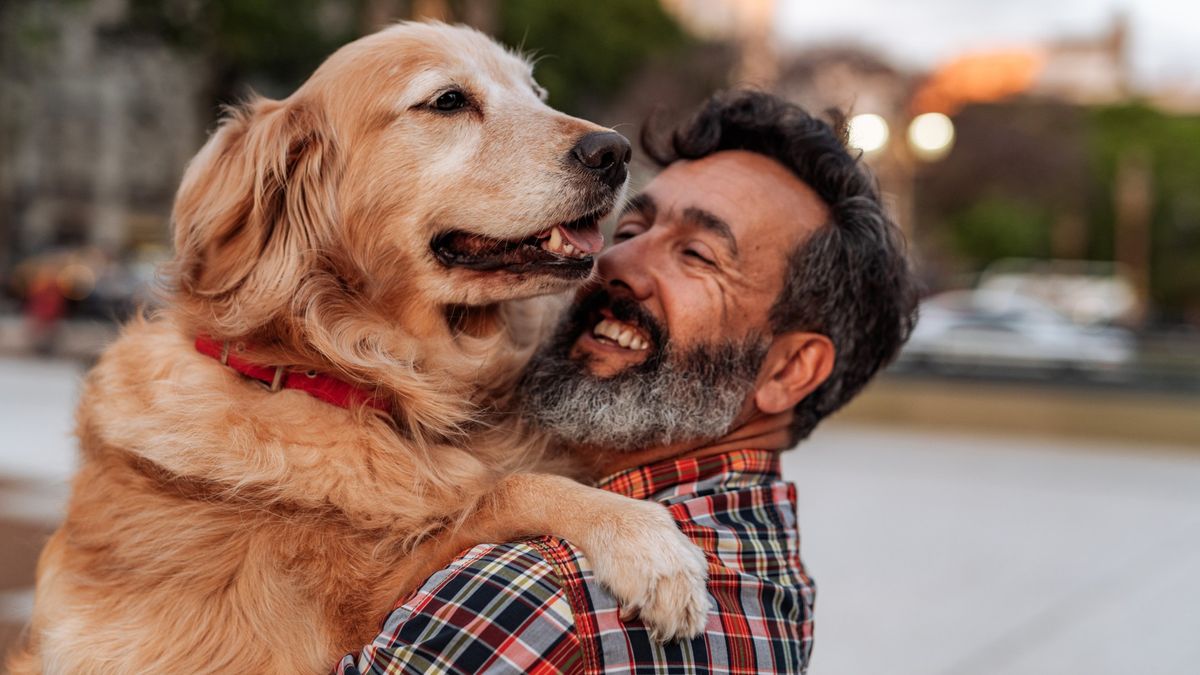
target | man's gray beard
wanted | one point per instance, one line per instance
(672, 397)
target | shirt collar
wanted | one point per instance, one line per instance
(748, 466)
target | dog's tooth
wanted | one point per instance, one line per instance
(554, 243)
(611, 330)
(625, 337)
(637, 343)
(568, 249)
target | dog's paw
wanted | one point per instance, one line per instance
(655, 573)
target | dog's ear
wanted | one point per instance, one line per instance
(255, 206)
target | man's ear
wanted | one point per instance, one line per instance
(795, 365)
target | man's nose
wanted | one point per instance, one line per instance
(604, 154)
(625, 265)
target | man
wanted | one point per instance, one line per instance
(752, 289)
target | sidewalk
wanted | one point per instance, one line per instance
(1033, 410)
(81, 339)
(945, 554)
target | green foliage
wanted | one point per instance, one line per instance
(1000, 227)
(267, 42)
(1170, 144)
(588, 50)
(1004, 203)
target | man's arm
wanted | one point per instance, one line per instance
(497, 608)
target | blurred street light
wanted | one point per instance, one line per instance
(868, 132)
(931, 135)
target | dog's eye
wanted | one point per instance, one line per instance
(450, 101)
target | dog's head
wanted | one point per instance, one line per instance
(418, 165)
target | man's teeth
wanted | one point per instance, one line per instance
(555, 244)
(621, 334)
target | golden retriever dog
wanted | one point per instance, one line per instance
(388, 229)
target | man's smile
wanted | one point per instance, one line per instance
(614, 332)
(604, 355)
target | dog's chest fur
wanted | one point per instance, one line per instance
(205, 499)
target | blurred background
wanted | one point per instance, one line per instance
(1020, 493)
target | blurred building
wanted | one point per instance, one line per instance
(96, 129)
(747, 24)
(1091, 70)
(1088, 70)
(848, 78)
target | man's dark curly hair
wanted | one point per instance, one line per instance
(850, 279)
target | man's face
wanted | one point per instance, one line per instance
(668, 347)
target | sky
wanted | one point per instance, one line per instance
(1165, 34)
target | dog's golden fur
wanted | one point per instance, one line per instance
(216, 526)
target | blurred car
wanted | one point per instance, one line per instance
(1008, 333)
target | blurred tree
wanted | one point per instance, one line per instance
(263, 44)
(1000, 227)
(1018, 169)
(588, 50)
(1024, 167)
(1167, 143)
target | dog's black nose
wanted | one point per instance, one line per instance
(605, 154)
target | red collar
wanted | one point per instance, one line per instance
(318, 385)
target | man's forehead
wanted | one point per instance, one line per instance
(744, 189)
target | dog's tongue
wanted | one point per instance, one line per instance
(588, 241)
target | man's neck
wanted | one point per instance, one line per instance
(760, 431)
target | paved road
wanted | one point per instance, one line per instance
(933, 553)
(941, 554)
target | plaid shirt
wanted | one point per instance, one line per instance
(535, 606)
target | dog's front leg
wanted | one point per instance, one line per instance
(635, 547)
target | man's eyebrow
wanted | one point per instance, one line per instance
(642, 204)
(705, 220)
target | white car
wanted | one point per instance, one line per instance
(983, 330)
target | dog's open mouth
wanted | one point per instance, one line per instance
(566, 249)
